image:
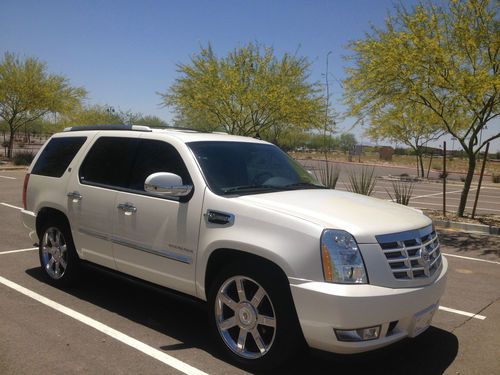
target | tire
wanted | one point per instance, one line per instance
(58, 258)
(257, 328)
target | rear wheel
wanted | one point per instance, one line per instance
(253, 317)
(58, 257)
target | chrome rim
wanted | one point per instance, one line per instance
(245, 317)
(54, 253)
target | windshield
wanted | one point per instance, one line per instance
(249, 168)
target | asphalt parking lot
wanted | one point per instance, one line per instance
(106, 325)
(426, 194)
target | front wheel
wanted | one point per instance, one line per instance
(253, 317)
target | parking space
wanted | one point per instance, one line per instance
(109, 325)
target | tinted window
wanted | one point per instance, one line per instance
(156, 156)
(57, 155)
(109, 161)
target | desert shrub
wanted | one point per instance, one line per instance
(23, 158)
(403, 192)
(362, 183)
(328, 175)
(495, 178)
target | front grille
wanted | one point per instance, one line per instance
(412, 254)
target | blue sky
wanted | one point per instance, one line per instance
(123, 52)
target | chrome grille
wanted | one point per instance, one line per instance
(412, 254)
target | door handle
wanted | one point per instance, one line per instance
(75, 196)
(127, 208)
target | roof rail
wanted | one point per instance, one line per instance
(139, 128)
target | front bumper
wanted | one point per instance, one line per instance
(323, 307)
(29, 221)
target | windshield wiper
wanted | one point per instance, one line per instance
(245, 188)
(307, 185)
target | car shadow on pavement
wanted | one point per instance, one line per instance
(187, 322)
(470, 243)
(431, 353)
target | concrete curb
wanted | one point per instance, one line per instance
(467, 227)
(13, 168)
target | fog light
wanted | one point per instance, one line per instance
(361, 334)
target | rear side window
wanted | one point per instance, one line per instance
(156, 156)
(109, 162)
(57, 155)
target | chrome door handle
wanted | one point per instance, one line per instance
(75, 196)
(127, 208)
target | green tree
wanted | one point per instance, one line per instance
(346, 142)
(247, 92)
(150, 120)
(443, 58)
(28, 92)
(410, 123)
(91, 115)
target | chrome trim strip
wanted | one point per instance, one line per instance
(164, 253)
(93, 233)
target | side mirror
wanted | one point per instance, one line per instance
(167, 184)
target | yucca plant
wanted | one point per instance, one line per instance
(362, 183)
(403, 192)
(328, 175)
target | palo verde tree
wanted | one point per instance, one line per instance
(91, 115)
(248, 92)
(443, 58)
(409, 123)
(28, 92)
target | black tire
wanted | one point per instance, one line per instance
(58, 258)
(281, 342)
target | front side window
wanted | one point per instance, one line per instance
(156, 156)
(57, 155)
(248, 168)
(125, 163)
(109, 161)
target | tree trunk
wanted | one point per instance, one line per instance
(421, 160)
(467, 184)
(11, 143)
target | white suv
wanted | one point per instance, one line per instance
(237, 223)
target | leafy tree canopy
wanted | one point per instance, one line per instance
(28, 92)
(248, 92)
(443, 58)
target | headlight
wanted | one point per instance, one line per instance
(342, 261)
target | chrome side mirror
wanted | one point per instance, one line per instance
(166, 184)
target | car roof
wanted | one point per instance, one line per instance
(182, 134)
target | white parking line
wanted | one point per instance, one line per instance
(18, 251)
(11, 206)
(130, 341)
(460, 312)
(8, 177)
(469, 258)
(431, 195)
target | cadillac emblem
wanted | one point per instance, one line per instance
(424, 259)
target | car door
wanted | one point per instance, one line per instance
(155, 238)
(91, 195)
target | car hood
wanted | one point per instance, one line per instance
(364, 217)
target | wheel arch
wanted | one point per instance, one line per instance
(223, 256)
(46, 214)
